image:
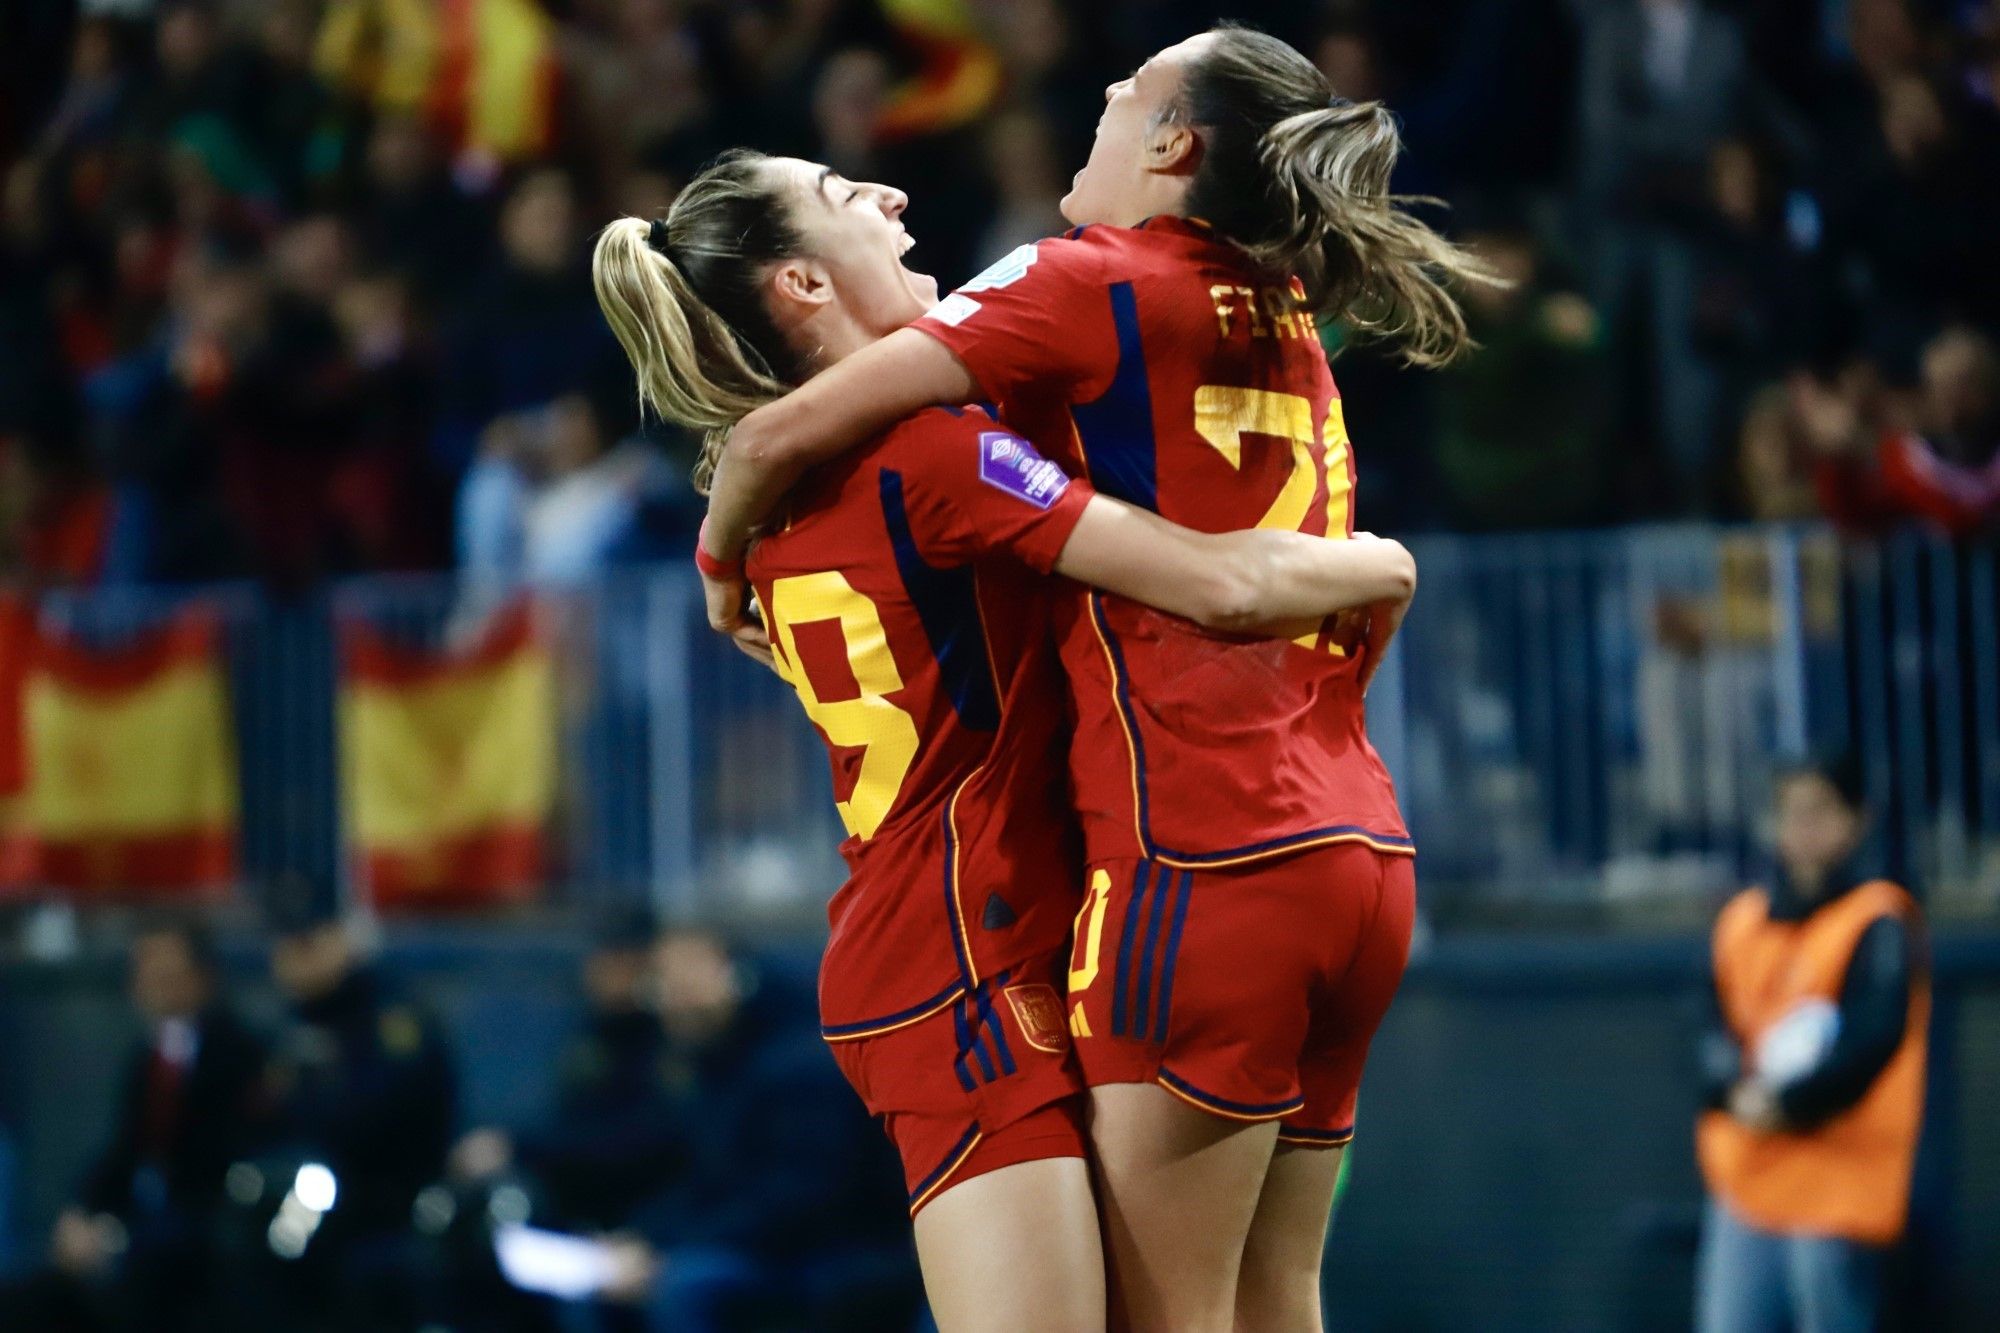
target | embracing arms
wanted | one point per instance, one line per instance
(837, 409)
(1236, 581)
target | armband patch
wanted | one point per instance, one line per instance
(1009, 463)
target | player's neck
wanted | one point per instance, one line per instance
(829, 336)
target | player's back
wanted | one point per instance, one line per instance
(1181, 380)
(903, 610)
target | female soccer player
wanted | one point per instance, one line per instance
(902, 608)
(1250, 891)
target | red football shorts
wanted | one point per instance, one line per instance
(1250, 992)
(986, 1082)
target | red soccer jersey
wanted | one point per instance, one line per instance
(903, 608)
(1157, 362)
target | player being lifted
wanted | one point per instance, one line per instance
(1250, 892)
(905, 607)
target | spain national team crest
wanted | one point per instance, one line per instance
(1040, 1015)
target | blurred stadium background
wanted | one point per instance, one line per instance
(338, 578)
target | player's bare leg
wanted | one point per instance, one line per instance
(1179, 1188)
(1015, 1248)
(1278, 1290)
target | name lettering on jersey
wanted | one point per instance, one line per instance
(1266, 312)
(1009, 463)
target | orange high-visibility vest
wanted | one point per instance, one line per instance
(1849, 1177)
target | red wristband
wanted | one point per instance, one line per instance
(712, 566)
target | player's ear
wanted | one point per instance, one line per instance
(1172, 148)
(802, 282)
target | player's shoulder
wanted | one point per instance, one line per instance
(1078, 253)
(954, 447)
(918, 437)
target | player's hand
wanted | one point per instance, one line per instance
(1384, 619)
(731, 611)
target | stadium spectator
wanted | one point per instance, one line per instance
(1662, 82)
(366, 1088)
(615, 1137)
(787, 1210)
(1814, 1075)
(412, 218)
(552, 500)
(137, 1247)
(1883, 461)
(530, 332)
(1501, 467)
(1774, 474)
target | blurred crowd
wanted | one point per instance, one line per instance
(699, 1166)
(297, 288)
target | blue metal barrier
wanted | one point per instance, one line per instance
(1575, 721)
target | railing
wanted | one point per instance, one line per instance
(1576, 722)
(1595, 719)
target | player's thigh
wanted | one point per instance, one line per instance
(1178, 1187)
(1013, 1249)
(1279, 1288)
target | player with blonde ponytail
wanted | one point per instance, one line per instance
(1250, 892)
(905, 606)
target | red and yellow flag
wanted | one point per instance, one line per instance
(483, 74)
(959, 75)
(17, 628)
(117, 765)
(449, 764)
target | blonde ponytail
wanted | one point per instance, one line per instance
(701, 363)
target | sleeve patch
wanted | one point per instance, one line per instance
(953, 310)
(1009, 463)
(1010, 267)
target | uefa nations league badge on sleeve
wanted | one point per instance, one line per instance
(1011, 464)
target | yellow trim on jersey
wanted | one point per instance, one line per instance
(896, 1026)
(1298, 1142)
(949, 1172)
(1374, 844)
(957, 884)
(1291, 1108)
(1131, 748)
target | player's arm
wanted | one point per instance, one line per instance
(837, 409)
(1237, 581)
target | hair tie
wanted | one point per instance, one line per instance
(1337, 102)
(656, 236)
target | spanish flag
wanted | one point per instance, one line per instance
(117, 765)
(483, 74)
(449, 763)
(958, 75)
(17, 628)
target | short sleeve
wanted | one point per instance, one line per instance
(1040, 316)
(968, 487)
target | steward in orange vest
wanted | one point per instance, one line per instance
(1816, 1065)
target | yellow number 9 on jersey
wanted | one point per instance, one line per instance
(884, 733)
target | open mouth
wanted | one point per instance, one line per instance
(921, 283)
